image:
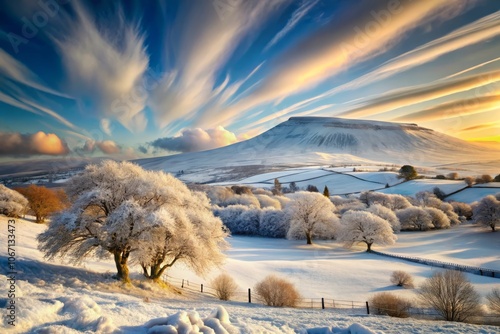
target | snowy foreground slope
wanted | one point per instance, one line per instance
(58, 298)
(303, 141)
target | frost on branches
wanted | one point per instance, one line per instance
(311, 215)
(12, 203)
(487, 212)
(123, 210)
(365, 227)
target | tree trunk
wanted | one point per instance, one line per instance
(309, 239)
(369, 247)
(493, 227)
(121, 266)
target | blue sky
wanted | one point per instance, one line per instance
(142, 78)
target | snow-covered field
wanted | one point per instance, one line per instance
(343, 181)
(475, 193)
(60, 298)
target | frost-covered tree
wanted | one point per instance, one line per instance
(346, 204)
(268, 202)
(273, 223)
(387, 214)
(123, 210)
(469, 181)
(427, 199)
(438, 219)
(414, 218)
(365, 227)
(12, 203)
(462, 209)
(311, 215)
(399, 202)
(448, 210)
(487, 212)
(245, 199)
(240, 219)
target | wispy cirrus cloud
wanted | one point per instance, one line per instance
(297, 15)
(480, 127)
(193, 140)
(471, 34)
(359, 35)
(206, 42)
(19, 85)
(105, 63)
(413, 95)
(40, 143)
(457, 108)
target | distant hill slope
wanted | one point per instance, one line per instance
(304, 141)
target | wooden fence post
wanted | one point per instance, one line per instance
(323, 303)
(202, 288)
(367, 308)
(182, 286)
(249, 295)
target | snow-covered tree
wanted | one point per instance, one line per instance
(268, 202)
(449, 211)
(414, 218)
(123, 210)
(311, 215)
(240, 219)
(387, 214)
(438, 219)
(346, 204)
(245, 199)
(487, 212)
(12, 203)
(393, 202)
(462, 209)
(365, 227)
(273, 223)
(399, 202)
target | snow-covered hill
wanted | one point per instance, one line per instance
(303, 141)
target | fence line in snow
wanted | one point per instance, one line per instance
(249, 296)
(446, 265)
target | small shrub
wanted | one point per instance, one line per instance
(386, 303)
(452, 295)
(494, 301)
(276, 291)
(402, 278)
(225, 287)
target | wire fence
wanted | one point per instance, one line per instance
(339, 306)
(446, 265)
(354, 307)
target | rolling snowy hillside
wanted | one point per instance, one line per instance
(303, 141)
